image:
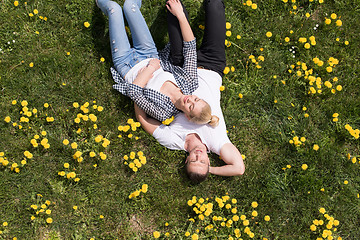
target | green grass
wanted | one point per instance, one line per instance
(258, 126)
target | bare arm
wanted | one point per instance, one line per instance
(175, 7)
(149, 124)
(146, 74)
(234, 162)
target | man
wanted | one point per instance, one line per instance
(181, 134)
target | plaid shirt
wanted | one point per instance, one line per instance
(154, 103)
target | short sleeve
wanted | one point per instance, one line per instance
(166, 137)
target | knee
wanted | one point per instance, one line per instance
(131, 6)
(113, 7)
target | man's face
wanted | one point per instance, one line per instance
(198, 160)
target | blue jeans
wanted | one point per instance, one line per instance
(124, 56)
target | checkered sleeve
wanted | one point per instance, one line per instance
(121, 85)
(142, 97)
(190, 60)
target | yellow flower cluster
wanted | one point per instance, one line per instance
(14, 166)
(228, 69)
(335, 117)
(131, 125)
(36, 12)
(87, 115)
(221, 217)
(42, 211)
(306, 44)
(135, 163)
(68, 174)
(354, 132)
(44, 142)
(325, 227)
(168, 121)
(144, 189)
(297, 141)
(302, 70)
(256, 60)
(249, 3)
(333, 16)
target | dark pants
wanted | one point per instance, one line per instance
(211, 54)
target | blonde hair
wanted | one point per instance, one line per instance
(205, 117)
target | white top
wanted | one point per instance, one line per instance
(158, 79)
(173, 136)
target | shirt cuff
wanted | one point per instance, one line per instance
(190, 44)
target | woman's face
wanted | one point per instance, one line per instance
(190, 105)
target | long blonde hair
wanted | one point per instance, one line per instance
(205, 117)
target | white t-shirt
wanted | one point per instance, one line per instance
(158, 79)
(173, 136)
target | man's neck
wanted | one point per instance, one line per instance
(191, 141)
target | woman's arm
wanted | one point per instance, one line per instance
(146, 73)
(175, 7)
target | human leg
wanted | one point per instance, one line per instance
(143, 42)
(175, 37)
(211, 54)
(119, 42)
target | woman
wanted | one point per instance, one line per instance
(138, 72)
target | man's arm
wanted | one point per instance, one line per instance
(234, 162)
(149, 124)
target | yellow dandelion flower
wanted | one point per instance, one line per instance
(228, 25)
(156, 234)
(86, 24)
(226, 70)
(338, 87)
(49, 220)
(339, 23)
(269, 34)
(316, 147)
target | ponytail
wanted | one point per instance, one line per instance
(214, 121)
(205, 117)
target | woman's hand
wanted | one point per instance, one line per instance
(154, 63)
(175, 7)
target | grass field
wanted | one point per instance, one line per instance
(290, 100)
